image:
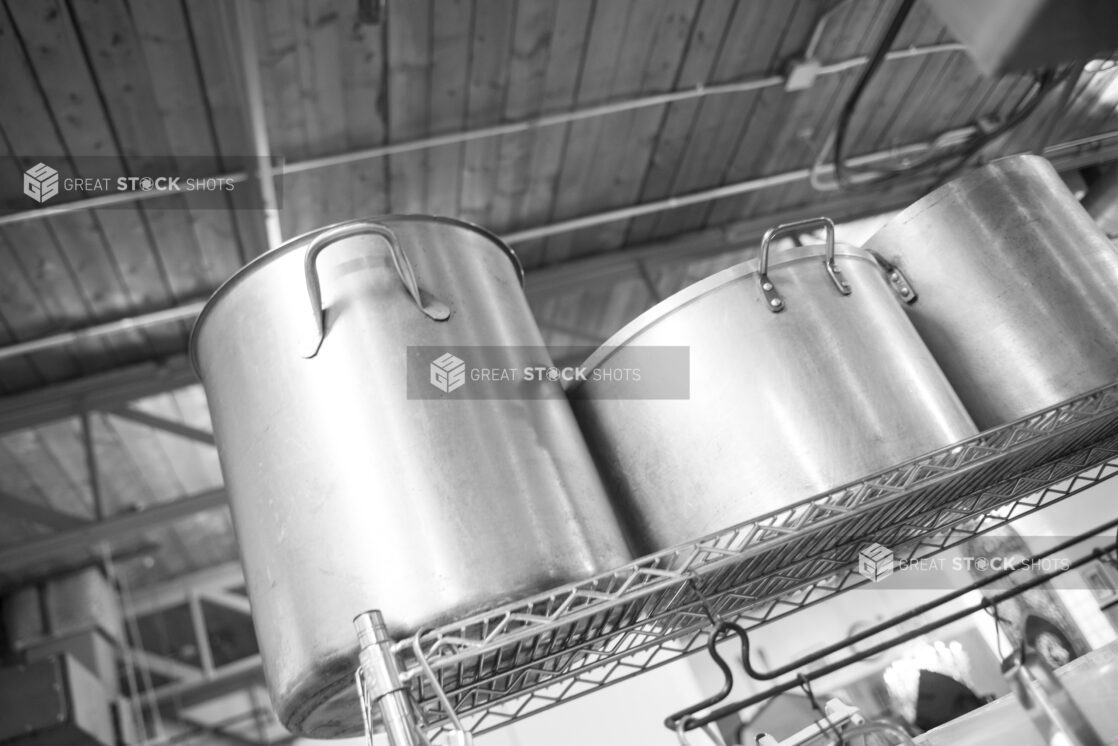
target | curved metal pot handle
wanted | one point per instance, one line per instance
(434, 309)
(772, 297)
(1048, 702)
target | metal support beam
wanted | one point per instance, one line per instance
(206, 678)
(103, 391)
(90, 451)
(162, 423)
(226, 679)
(36, 513)
(166, 667)
(85, 537)
(216, 580)
(201, 634)
(186, 312)
(231, 601)
(130, 550)
(216, 733)
(649, 283)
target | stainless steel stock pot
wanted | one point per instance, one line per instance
(349, 494)
(1017, 287)
(804, 375)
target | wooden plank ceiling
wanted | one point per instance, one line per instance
(157, 85)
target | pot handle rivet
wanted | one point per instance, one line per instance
(434, 309)
(895, 277)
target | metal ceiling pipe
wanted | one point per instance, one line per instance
(661, 205)
(592, 112)
(190, 311)
(454, 138)
(1101, 201)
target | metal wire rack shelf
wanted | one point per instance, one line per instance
(525, 657)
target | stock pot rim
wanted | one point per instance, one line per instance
(290, 244)
(707, 285)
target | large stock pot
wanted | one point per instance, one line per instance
(804, 375)
(351, 494)
(1017, 288)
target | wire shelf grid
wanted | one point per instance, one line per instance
(524, 657)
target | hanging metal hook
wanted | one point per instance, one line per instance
(679, 719)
